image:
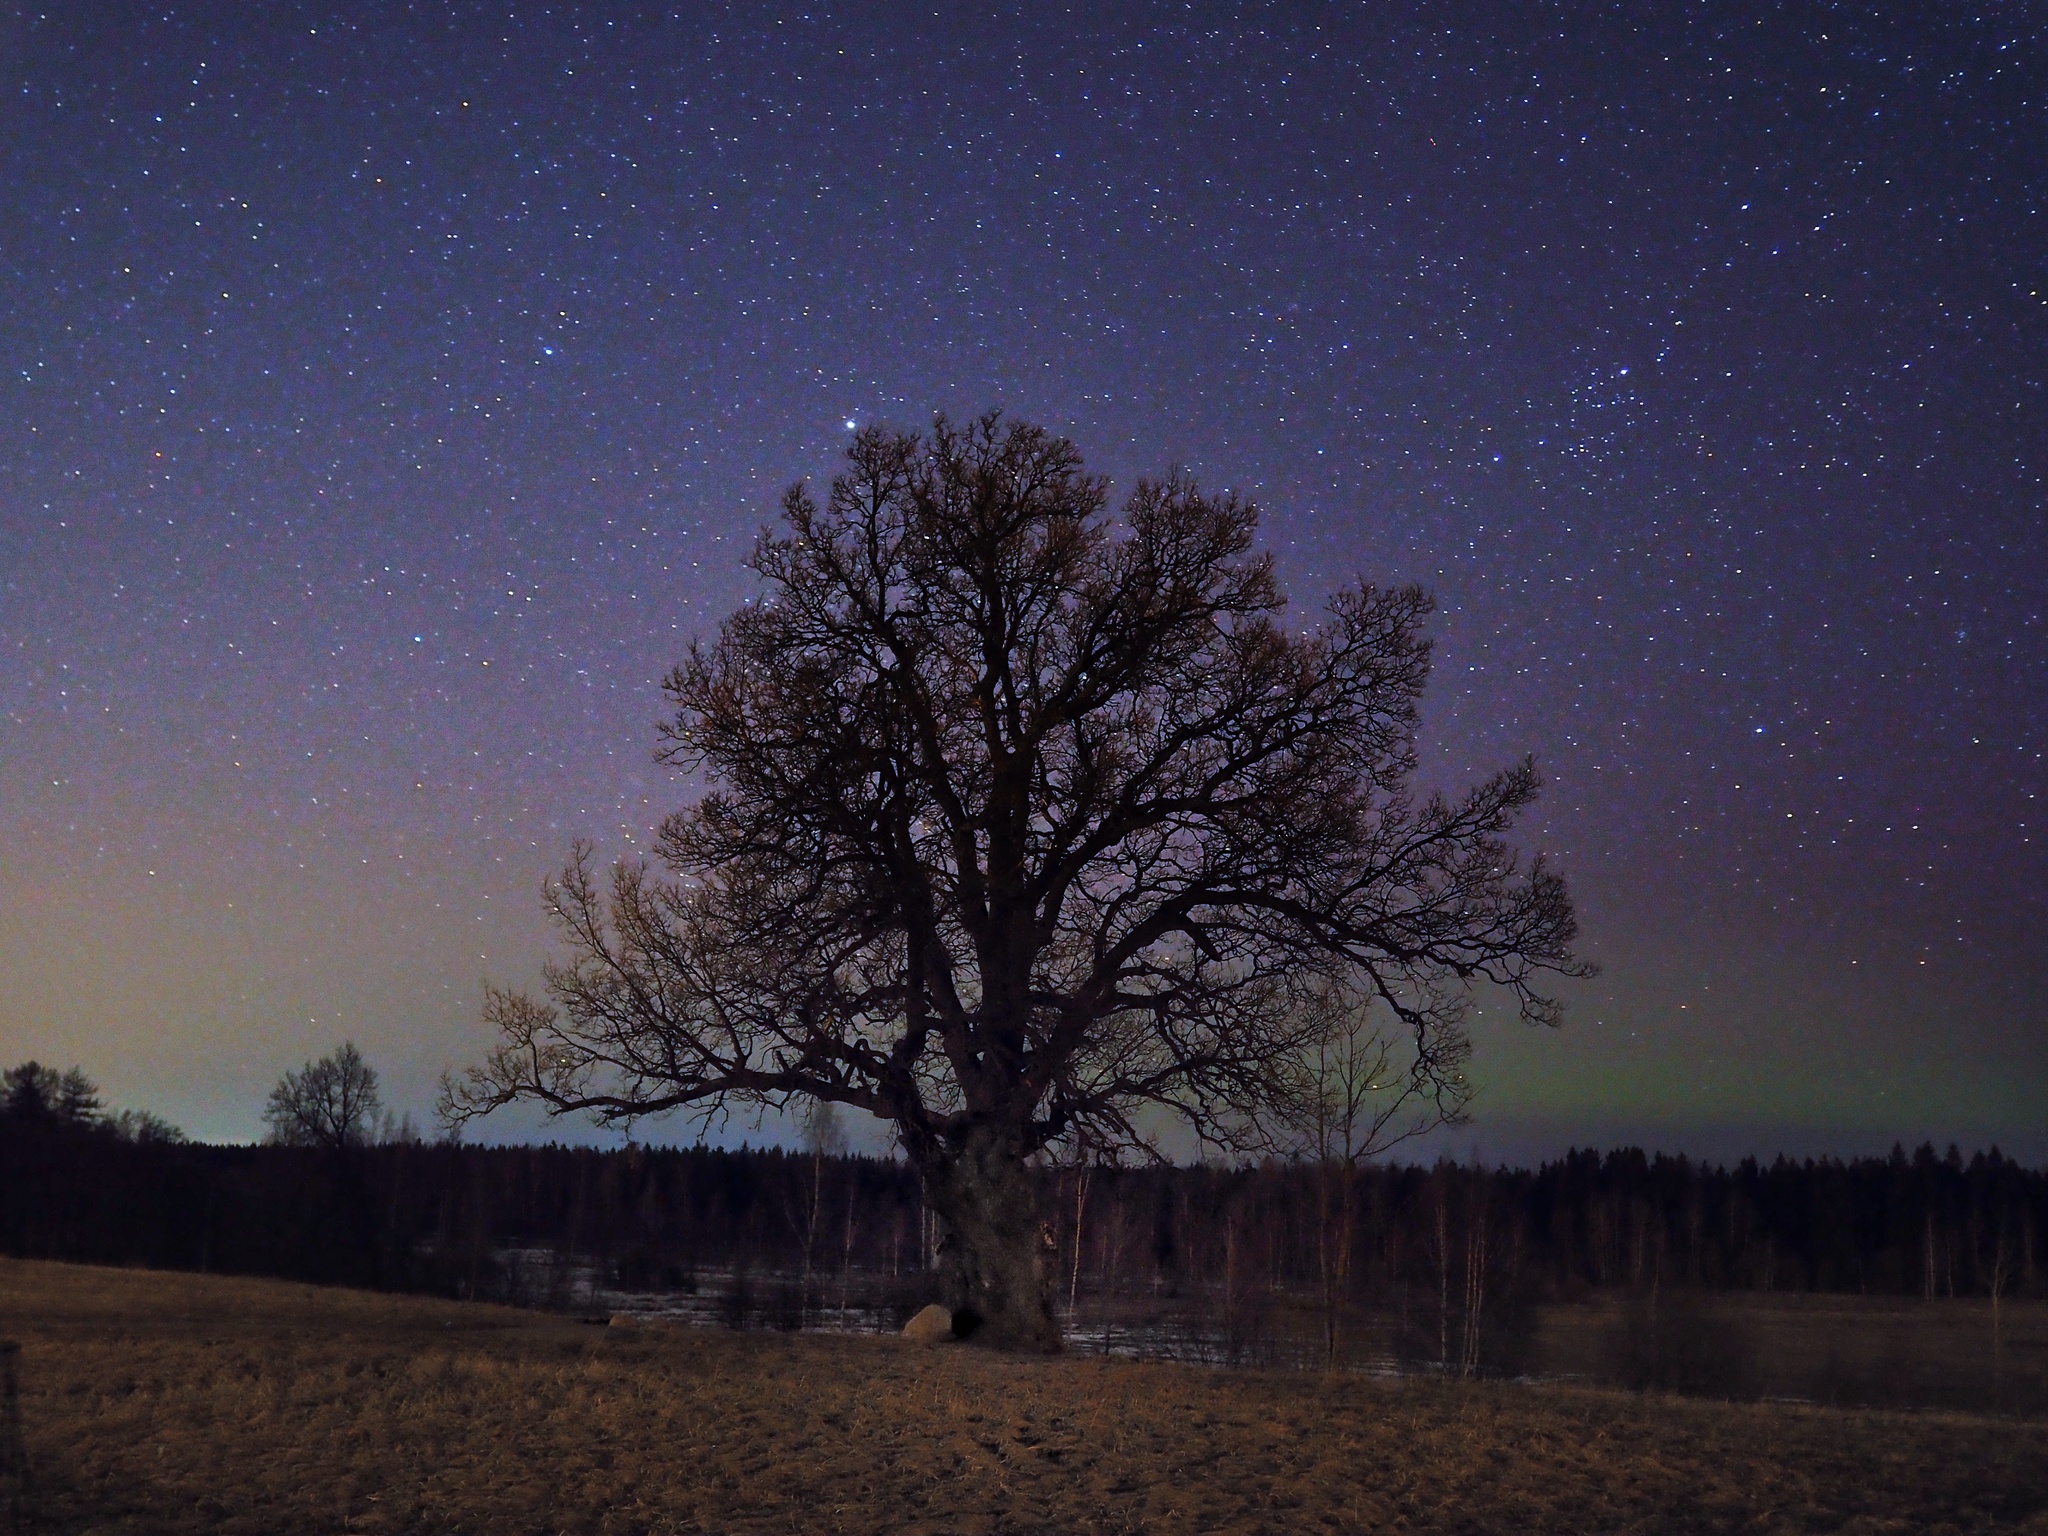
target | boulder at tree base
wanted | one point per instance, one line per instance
(933, 1325)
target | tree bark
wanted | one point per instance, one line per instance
(991, 1256)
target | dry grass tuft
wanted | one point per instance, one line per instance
(174, 1403)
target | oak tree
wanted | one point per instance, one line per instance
(331, 1103)
(1025, 824)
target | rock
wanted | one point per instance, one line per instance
(934, 1325)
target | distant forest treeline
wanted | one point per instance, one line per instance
(443, 1218)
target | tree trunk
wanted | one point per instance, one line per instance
(991, 1254)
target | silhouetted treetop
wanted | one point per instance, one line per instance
(1021, 820)
(331, 1103)
(33, 1092)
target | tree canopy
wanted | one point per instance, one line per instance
(1021, 819)
(332, 1103)
(34, 1092)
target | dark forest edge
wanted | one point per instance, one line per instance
(438, 1217)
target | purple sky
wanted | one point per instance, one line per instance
(388, 394)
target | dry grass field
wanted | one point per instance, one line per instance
(182, 1403)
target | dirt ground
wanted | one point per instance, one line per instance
(180, 1403)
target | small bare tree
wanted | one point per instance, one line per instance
(1363, 1092)
(823, 1139)
(329, 1103)
(1081, 1164)
(1021, 823)
(1998, 1281)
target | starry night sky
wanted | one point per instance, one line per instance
(387, 394)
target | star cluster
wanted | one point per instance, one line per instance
(388, 394)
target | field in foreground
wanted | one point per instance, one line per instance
(170, 1402)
